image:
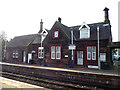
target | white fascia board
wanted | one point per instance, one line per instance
(45, 32)
(85, 25)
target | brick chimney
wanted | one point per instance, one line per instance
(106, 15)
(59, 19)
(41, 25)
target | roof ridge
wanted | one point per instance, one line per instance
(88, 24)
(26, 35)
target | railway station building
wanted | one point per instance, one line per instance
(64, 46)
(25, 48)
(83, 39)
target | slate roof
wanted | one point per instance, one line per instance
(37, 39)
(64, 28)
(104, 31)
(21, 41)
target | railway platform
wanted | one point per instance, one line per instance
(82, 76)
(9, 83)
(112, 72)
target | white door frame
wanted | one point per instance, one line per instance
(24, 56)
(29, 57)
(79, 57)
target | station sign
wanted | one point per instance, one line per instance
(103, 57)
(72, 47)
(41, 47)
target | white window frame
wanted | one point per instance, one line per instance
(52, 52)
(81, 33)
(91, 52)
(40, 52)
(56, 34)
(16, 54)
(57, 51)
(88, 53)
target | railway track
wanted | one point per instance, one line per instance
(47, 83)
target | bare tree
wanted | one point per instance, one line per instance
(3, 41)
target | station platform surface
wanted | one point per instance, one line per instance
(111, 72)
(9, 83)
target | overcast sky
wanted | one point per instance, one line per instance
(21, 17)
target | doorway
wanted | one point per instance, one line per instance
(79, 57)
(29, 57)
(24, 56)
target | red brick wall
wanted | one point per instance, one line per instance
(9, 54)
(82, 46)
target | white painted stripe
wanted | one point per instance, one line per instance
(90, 66)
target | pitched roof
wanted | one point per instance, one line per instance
(64, 28)
(105, 31)
(37, 39)
(21, 41)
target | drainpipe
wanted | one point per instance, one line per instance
(72, 44)
(99, 66)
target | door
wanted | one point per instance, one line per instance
(24, 56)
(80, 57)
(29, 57)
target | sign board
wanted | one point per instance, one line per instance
(41, 47)
(103, 57)
(72, 47)
(33, 51)
(66, 56)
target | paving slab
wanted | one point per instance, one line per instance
(9, 83)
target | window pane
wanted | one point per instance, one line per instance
(88, 49)
(52, 55)
(84, 33)
(40, 52)
(13, 54)
(56, 34)
(88, 53)
(16, 53)
(57, 49)
(88, 56)
(93, 49)
(53, 49)
(58, 53)
(93, 53)
(53, 52)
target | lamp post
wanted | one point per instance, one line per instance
(99, 66)
(72, 48)
(42, 48)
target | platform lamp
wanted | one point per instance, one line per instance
(42, 38)
(72, 44)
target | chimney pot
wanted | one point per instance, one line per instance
(59, 19)
(41, 25)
